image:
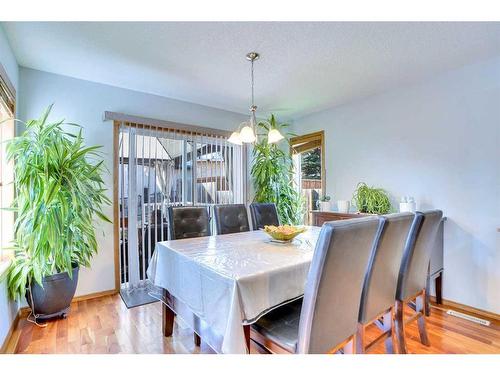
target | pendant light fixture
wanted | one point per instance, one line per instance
(246, 132)
(274, 136)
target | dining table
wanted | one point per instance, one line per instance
(219, 285)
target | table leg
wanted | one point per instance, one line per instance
(246, 329)
(168, 315)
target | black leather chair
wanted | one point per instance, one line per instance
(231, 218)
(412, 279)
(325, 321)
(188, 222)
(263, 214)
(381, 280)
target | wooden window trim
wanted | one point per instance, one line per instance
(306, 142)
(7, 91)
(8, 103)
(139, 122)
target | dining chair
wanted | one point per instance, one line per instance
(381, 280)
(231, 218)
(263, 214)
(188, 222)
(325, 320)
(412, 280)
(152, 234)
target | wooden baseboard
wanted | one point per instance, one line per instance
(24, 311)
(6, 349)
(466, 309)
(95, 295)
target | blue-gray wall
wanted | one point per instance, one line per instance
(438, 141)
(84, 103)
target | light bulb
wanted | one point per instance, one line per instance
(247, 134)
(274, 136)
(235, 138)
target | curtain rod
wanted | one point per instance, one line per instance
(121, 117)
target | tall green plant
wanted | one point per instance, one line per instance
(272, 175)
(59, 191)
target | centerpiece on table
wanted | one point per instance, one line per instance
(283, 233)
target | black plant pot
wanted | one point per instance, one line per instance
(54, 298)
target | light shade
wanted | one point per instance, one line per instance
(235, 138)
(274, 136)
(247, 134)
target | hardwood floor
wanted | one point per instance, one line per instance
(105, 325)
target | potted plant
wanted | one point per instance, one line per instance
(371, 200)
(324, 203)
(272, 174)
(59, 192)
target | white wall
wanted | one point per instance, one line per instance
(438, 141)
(84, 102)
(8, 309)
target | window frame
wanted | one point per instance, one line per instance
(307, 142)
(8, 102)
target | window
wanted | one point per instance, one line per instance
(7, 95)
(159, 167)
(308, 152)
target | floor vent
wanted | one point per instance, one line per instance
(469, 317)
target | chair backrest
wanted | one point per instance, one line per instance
(381, 279)
(188, 222)
(153, 233)
(333, 290)
(231, 218)
(263, 214)
(415, 265)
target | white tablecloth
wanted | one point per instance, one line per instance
(231, 280)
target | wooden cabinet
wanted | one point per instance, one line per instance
(319, 217)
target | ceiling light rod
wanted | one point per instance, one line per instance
(252, 56)
(247, 133)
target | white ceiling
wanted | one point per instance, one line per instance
(305, 67)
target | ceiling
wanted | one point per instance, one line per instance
(304, 66)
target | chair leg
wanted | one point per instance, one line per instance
(399, 327)
(389, 327)
(350, 347)
(360, 339)
(421, 310)
(427, 295)
(197, 339)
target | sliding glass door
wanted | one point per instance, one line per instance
(160, 167)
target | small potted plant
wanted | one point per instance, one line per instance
(59, 194)
(371, 200)
(324, 203)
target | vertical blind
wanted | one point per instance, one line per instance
(161, 167)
